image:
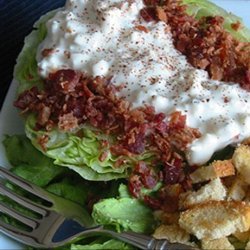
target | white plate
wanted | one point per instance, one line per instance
(10, 122)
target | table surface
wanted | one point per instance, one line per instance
(17, 18)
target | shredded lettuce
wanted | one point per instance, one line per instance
(201, 8)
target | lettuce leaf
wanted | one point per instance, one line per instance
(201, 8)
(28, 162)
(26, 70)
(82, 154)
(124, 213)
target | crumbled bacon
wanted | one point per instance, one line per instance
(205, 42)
(70, 99)
(141, 28)
(67, 122)
(172, 172)
(236, 26)
(63, 80)
(27, 99)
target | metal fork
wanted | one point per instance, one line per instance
(61, 221)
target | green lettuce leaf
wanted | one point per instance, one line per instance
(126, 213)
(201, 8)
(28, 162)
(82, 153)
(26, 70)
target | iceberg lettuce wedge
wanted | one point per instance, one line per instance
(26, 70)
(82, 154)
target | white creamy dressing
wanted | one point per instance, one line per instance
(102, 38)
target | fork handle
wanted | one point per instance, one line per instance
(146, 242)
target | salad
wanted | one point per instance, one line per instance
(133, 109)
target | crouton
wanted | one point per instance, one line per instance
(242, 236)
(238, 190)
(246, 141)
(214, 170)
(241, 160)
(173, 233)
(214, 190)
(222, 243)
(216, 219)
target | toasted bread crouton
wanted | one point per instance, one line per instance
(216, 219)
(241, 160)
(238, 190)
(242, 236)
(222, 243)
(246, 141)
(214, 190)
(214, 170)
(173, 233)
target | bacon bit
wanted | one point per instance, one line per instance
(216, 72)
(148, 14)
(152, 2)
(153, 202)
(27, 99)
(147, 176)
(71, 99)
(47, 52)
(248, 76)
(141, 28)
(67, 122)
(135, 185)
(205, 42)
(42, 141)
(120, 150)
(160, 12)
(236, 26)
(177, 120)
(104, 143)
(172, 172)
(103, 156)
(63, 80)
(44, 114)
